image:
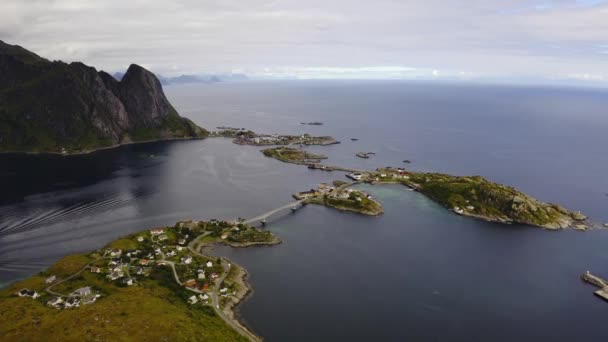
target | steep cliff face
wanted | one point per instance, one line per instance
(50, 106)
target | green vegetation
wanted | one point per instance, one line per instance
(152, 311)
(338, 183)
(476, 196)
(354, 200)
(72, 108)
(155, 308)
(171, 127)
(251, 236)
(292, 155)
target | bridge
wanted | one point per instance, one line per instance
(262, 218)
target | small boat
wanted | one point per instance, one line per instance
(362, 155)
(354, 139)
(407, 161)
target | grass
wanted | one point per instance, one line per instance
(364, 205)
(252, 235)
(145, 313)
(154, 310)
(124, 244)
(488, 199)
(292, 155)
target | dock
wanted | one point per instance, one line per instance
(597, 282)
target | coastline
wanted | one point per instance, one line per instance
(34, 153)
(232, 309)
(225, 305)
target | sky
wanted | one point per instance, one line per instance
(521, 40)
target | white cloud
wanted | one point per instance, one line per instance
(319, 38)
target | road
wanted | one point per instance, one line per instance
(213, 295)
(48, 289)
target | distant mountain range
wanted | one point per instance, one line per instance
(186, 79)
(52, 106)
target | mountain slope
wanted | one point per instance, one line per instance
(50, 106)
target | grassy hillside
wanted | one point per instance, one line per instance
(477, 196)
(154, 310)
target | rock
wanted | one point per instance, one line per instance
(74, 106)
(580, 227)
(606, 225)
(577, 215)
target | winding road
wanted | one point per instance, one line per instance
(48, 289)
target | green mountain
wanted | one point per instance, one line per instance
(49, 106)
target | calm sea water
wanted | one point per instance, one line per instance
(416, 273)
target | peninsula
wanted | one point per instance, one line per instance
(152, 285)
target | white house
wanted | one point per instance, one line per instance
(28, 293)
(192, 300)
(140, 238)
(187, 260)
(72, 302)
(83, 291)
(203, 296)
(50, 279)
(157, 231)
(209, 264)
(54, 301)
(115, 253)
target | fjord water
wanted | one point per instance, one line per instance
(416, 273)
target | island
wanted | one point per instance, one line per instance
(293, 155)
(152, 285)
(251, 138)
(472, 196)
(478, 197)
(342, 197)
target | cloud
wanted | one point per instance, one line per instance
(382, 38)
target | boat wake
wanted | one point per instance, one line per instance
(22, 219)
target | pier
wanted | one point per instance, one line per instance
(263, 217)
(598, 282)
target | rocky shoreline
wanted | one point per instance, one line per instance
(354, 210)
(232, 308)
(86, 152)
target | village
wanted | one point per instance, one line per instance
(275, 139)
(132, 260)
(342, 197)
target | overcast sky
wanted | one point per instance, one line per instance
(518, 39)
